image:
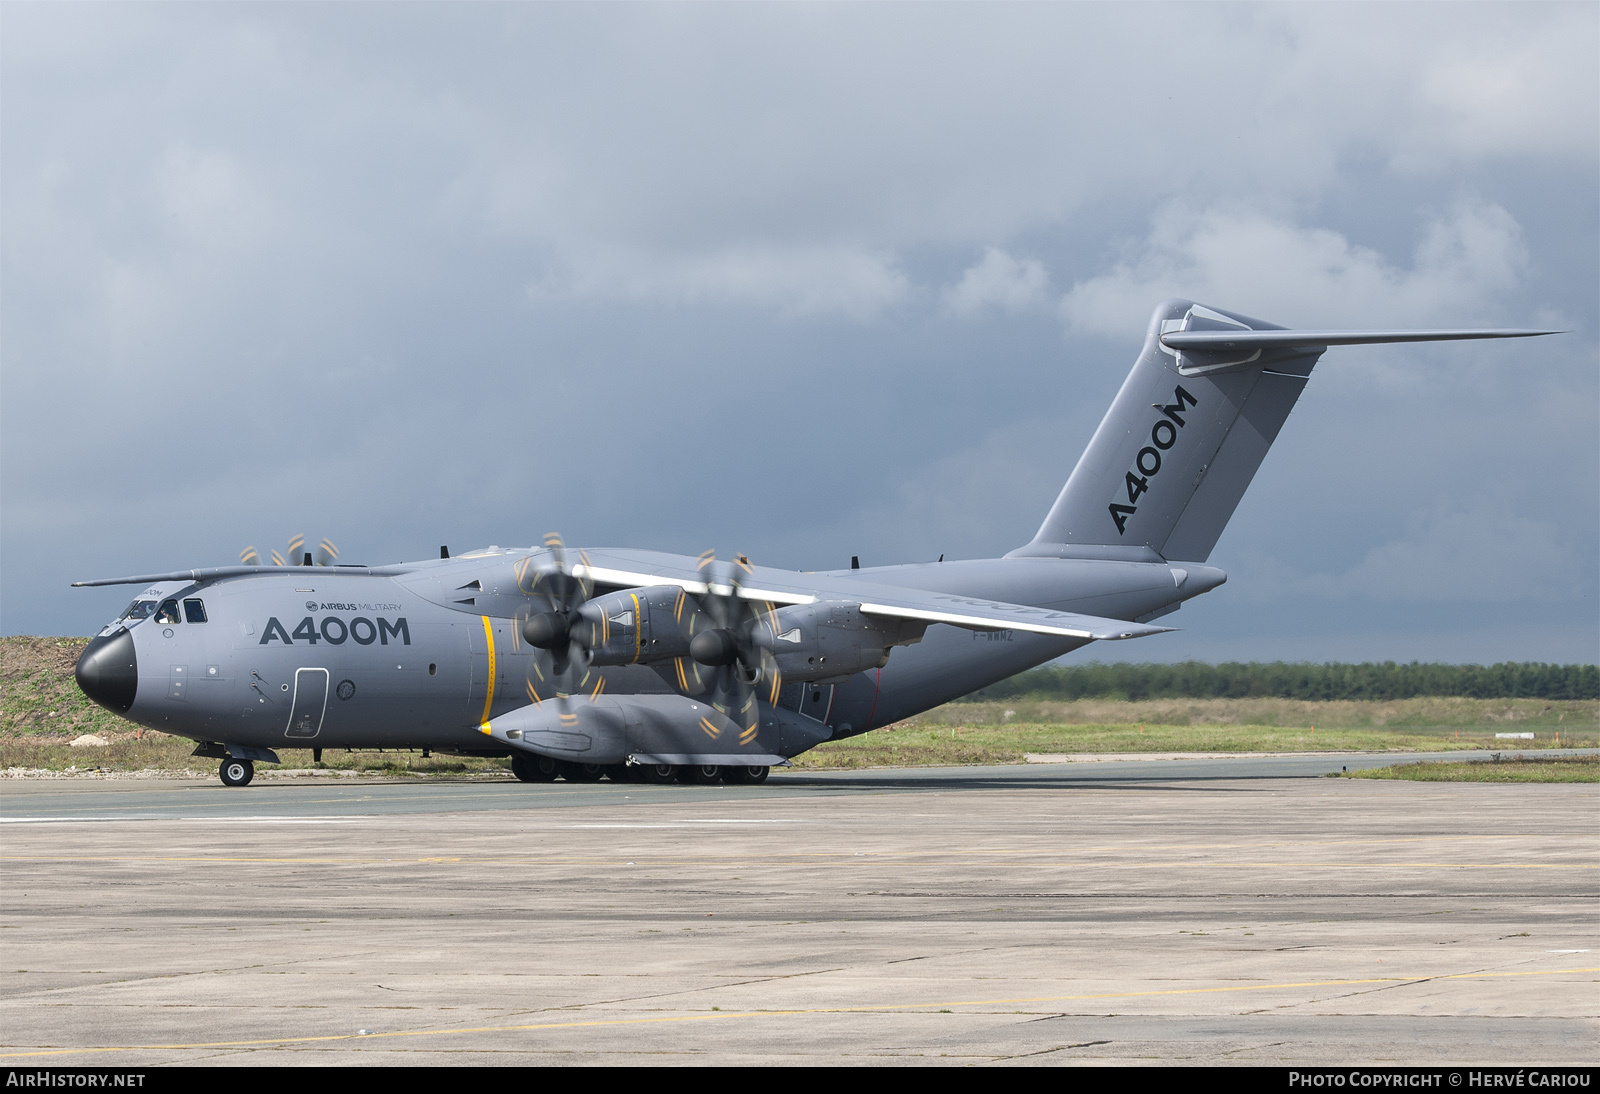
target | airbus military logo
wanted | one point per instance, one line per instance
(311, 605)
(1163, 435)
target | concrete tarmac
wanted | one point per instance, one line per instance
(1052, 914)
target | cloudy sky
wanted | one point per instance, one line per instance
(806, 281)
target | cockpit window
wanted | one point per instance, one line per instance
(194, 611)
(168, 612)
(139, 609)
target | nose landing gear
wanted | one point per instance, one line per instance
(237, 772)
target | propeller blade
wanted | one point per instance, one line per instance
(561, 636)
(294, 554)
(741, 670)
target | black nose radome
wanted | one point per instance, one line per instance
(108, 672)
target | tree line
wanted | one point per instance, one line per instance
(1290, 680)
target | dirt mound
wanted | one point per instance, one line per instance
(38, 693)
(26, 656)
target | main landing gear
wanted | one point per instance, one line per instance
(534, 769)
(237, 772)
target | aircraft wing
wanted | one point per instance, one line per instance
(633, 579)
(973, 613)
(213, 573)
(993, 615)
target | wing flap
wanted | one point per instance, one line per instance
(988, 615)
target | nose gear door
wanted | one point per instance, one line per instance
(310, 703)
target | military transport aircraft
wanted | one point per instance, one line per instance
(634, 664)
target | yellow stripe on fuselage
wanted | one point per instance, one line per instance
(488, 692)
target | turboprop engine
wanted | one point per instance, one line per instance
(826, 641)
(832, 640)
(636, 627)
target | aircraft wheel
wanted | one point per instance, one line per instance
(533, 769)
(580, 773)
(658, 773)
(237, 772)
(745, 774)
(700, 774)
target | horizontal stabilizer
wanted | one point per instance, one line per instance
(1210, 351)
(1283, 339)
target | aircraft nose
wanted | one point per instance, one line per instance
(108, 671)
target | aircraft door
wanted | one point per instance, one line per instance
(310, 703)
(477, 670)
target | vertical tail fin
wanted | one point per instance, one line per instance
(1189, 428)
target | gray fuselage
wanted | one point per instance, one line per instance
(316, 658)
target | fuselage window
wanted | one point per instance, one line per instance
(168, 612)
(139, 609)
(194, 611)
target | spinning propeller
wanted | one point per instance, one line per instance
(563, 633)
(724, 643)
(294, 555)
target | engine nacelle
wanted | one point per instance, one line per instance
(639, 625)
(832, 640)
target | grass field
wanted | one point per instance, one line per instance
(1555, 769)
(42, 711)
(942, 736)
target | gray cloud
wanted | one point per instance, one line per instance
(999, 281)
(1465, 264)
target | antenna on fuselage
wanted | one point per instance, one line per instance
(444, 552)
